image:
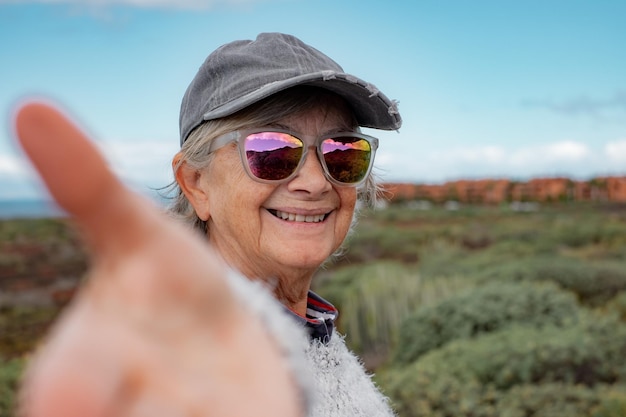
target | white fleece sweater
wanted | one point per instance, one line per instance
(332, 379)
(341, 385)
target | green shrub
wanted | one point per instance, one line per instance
(579, 232)
(446, 396)
(594, 283)
(21, 328)
(483, 310)
(589, 352)
(29, 230)
(35, 247)
(372, 301)
(549, 400)
(450, 398)
(10, 374)
(506, 373)
(389, 242)
(618, 306)
(414, 395)
(613, 403)
(444, 259)
(577, 235)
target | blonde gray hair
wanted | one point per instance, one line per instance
(194, 151)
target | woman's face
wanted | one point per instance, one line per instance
(249, 221)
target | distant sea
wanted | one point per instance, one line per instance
(33, 209)
(20, 209)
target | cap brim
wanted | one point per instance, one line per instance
(371, 107)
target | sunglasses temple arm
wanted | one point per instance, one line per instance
(223, 140)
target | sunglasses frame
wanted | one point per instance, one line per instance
(238, 135)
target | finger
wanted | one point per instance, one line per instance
(73, 170)
(119, 225)
(77, 176)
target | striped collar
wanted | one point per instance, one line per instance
(320, 317)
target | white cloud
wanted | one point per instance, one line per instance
(500, 157)
(567, 158)
(142, 163)
(489, 154)
(567, 150)
(18, 179)
(616, 152)
(12, 166)
(558, 152)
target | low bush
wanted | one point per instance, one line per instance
(579, 232)
(618, 306)
(483, 310)
(444, 259)
(10, 374)
(509, 370)
(372, 301)
(588, 353)
(577, 235)
(449, 398)
(392, 243)
(594, 283)
(613, 403)
(475, 377)
(43, 241)
(22, 327)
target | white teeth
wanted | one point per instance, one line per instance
(299, 217)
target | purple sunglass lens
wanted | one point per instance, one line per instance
(347, 158)
(272, 155)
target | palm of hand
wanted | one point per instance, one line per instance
(156, 330)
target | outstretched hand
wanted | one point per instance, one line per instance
(156, 330)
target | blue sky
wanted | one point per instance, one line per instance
(515, 89)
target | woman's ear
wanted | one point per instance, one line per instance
(190, 182)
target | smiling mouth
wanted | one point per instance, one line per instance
(291, 217)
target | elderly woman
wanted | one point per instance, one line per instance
(271, 166)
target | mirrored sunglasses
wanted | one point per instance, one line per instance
(273, 156)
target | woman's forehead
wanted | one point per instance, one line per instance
(325, 116)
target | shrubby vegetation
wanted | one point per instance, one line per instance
(617, 306)
(35, 254)
(528, 320)
(22, 327)
(373, 322)
(10, 374)
(587, 353)
(449, 398)
(483, 310)
(594, 282)
(475, 312)
(499, 370)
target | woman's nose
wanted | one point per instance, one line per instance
(311, 177)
